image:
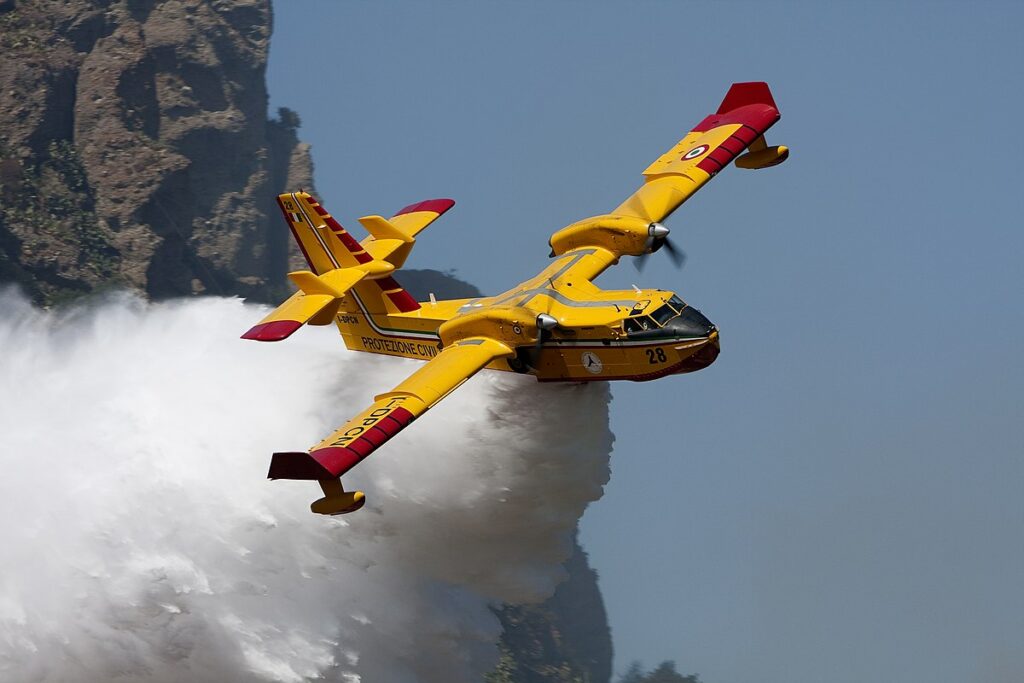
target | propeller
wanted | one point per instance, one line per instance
(545, 323)
(657, 237)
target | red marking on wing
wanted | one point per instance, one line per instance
(273, 331)
(758, 116)
(438, 206)
(754, 120)
(734, 145)
(333, 461)
(750, 104)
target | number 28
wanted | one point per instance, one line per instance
(655, 356)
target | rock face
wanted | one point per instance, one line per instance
(135, 148)
(564, 640)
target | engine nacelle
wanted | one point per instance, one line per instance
(621, 235)
(512, 326)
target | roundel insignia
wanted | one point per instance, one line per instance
(695, 152)
(591, 362)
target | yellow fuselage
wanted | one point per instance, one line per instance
(600, 334)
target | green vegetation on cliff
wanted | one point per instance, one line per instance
(663, 673)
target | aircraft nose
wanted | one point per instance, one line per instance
(692, 323)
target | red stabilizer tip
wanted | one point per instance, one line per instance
(273, 331)
(438, 206)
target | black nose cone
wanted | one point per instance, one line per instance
(691, 323)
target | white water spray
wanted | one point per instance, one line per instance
(141, 541)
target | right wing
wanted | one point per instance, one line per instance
(390, 412)
(747, 111)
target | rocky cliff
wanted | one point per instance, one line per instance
(135, 148)
(136, 151)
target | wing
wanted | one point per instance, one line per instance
(633, 228)
(390, 412)
(747, 111)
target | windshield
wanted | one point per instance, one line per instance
(664, 314)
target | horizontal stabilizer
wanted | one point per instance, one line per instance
(412, 219)
(383, 229)
(316, 303)
(275, 330)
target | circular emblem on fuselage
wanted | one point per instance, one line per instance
(591, 362)
(695, 152)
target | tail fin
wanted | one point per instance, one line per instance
(328, 247)
(393, 239)
(325, 244)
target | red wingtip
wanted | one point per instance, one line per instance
(742, 94)
(273, 331)
(438, 206)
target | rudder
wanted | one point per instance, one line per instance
(323, 242)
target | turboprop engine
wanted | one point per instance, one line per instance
(514, 326)
(626, 235)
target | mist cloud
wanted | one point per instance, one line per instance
(141, 540)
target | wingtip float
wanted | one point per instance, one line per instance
(557, 326)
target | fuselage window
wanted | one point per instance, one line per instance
(639, 324)
(664, 314)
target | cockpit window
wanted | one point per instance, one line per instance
(639, 324)
(677, 303)
(664, 314)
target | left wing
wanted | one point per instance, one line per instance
(634, 227)
(747, 111)
(390, 412)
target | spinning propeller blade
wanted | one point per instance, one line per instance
(658, 238)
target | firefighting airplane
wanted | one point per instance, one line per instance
(557, 326)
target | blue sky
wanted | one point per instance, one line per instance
(838, 497)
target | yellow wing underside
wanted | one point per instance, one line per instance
(390, 412)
